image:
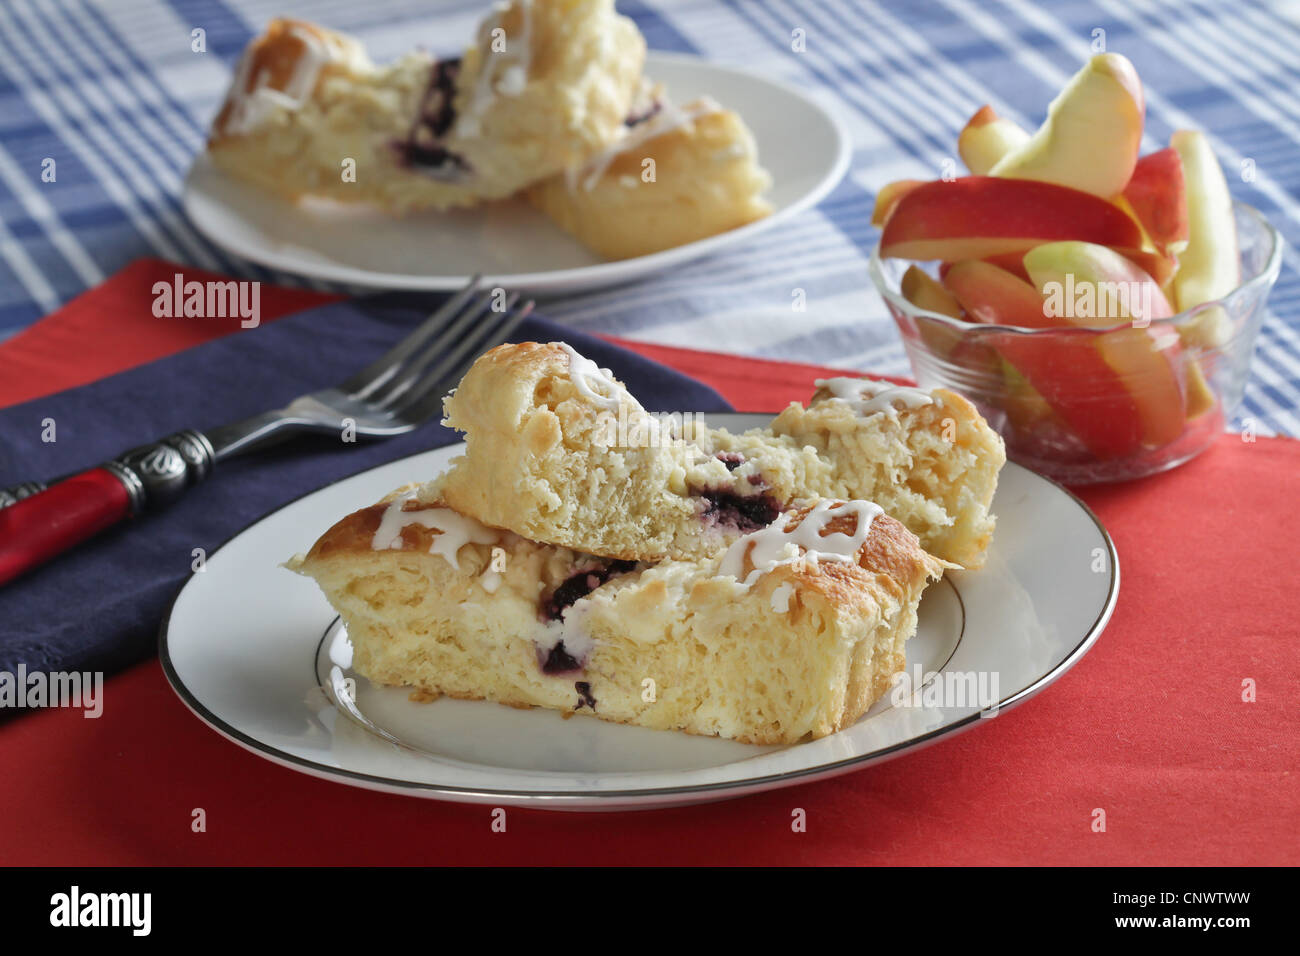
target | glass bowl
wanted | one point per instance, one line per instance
(1208, 349)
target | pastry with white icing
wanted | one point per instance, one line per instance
(791, 632)
(677, 174)
(558, 451)
(927, 457)
(586, 555)
(546, 85)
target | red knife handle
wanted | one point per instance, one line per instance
(38, 527)
(35, 528)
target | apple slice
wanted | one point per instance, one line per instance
(1159, 267)
(1209, 267)
(986, 138)
(1067, 371)
(1200, 395)
(974, 217)
(889, 196)
(1157, 195)
(1025, 406)
(1092, 133)
(1092, 286)
(923, 291)
(1013, 262)
(1211, 262)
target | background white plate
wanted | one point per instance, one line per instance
(248, 645)
(799, 143)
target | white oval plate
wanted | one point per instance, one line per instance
(799, 143)
(256, 653)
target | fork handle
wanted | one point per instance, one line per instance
(40, 526)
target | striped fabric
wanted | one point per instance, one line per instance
(111, 90)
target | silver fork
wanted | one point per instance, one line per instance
(392, 395)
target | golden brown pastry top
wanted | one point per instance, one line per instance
(281, 55)
(890, 554)
(355, 533)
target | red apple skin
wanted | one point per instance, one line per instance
(1158, 195)
(888, 198)
(1149, 360)
(1013, 262)
(974, 217)
(1068, 372)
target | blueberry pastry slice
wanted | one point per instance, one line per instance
(790, 632)
(546, 84)
(674, 175)
(558, 451)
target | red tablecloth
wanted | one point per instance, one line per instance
(1150, 726)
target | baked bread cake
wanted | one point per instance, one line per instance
(558, 451)
(545, 459)
(792, 631)
(927, 457)
(546, 85)
(675, 175)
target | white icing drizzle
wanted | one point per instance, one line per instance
(669, 118)
(606, 392)
(504, 73)
(572, 629)
(250, 107)
(867, 397)
(781, 598)
(455, 530)
(775, 545)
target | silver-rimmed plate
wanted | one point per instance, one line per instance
(257, 654)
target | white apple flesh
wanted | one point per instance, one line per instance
(1092, 133)
(1208, 268)
(986, 138)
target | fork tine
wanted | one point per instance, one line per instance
(465, 327)
(435, 383)
(382, 369)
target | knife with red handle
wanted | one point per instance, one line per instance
(44, 523)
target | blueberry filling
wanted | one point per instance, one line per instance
(438, 110)
(423, 148)
(585, 698)
(732, 459)
(560, 661)
(744, 512)
(579, 585)
(636, 119)
(437, 161)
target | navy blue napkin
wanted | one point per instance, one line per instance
(98, 608)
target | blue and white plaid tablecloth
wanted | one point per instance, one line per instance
(113, 92)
